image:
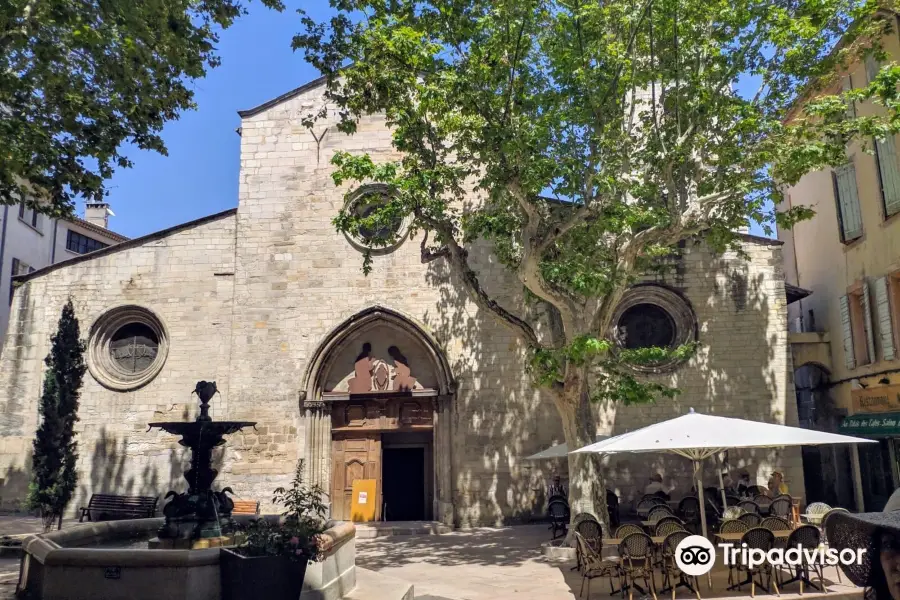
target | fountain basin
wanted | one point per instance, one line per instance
(73, 564)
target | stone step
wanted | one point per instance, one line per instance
(371, 585)
(367, 531)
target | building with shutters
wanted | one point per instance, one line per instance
(31, 241)
(845, 334)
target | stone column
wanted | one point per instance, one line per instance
(443, 463)
(317, 425)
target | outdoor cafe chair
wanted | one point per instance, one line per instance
(593, 565)
(825, 537)
(658, 512)
(647, 503)
(590, 529)
(816, 511)
(733, 512)
(756, 538)
(751, 519)
(733, 526)
(781, 507)
(806, 537)
(558, 511)
(731, 500)
(749, 506)
(776, 524)
(761, 499)
(673, 577)
(667, 526)
(557, 498)
(627, 529)
(636, 555)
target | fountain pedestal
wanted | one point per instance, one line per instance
(194, 518)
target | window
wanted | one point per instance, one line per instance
(856, 322)
(18, 268)
(846, 196)
(134, 347)
(127, 347)
(379, 230)
(646, 326)
(29, 216)
(82, 244)
(889, 173)
(872, 68)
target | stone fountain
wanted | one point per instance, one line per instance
(194, 518)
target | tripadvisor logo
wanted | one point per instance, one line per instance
(696, 555)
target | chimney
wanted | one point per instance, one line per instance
(97, 213)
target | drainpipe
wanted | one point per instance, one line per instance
(53, 247)
(787, 198)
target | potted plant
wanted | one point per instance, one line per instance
(270, 562)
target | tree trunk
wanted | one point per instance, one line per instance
(587, 485)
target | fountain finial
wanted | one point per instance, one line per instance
(205, 390)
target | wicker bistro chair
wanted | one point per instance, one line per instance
(557, 498)
(668, 518)
(816, 511)
(755, 538)
(755, 490)
(590, 531)
(751, 519)
(761, 499)
(732, 512)
(627, 529)
(733, 526)
(806, 537)
(689, 511)
(592, 565)
(558, 512)
(749, 506)
(648, 503)
(781, 507)
(732, 500)
(673, 577)
(825, 538)
(776, 524)
(666, 527)
(636, 555)
(659, 512)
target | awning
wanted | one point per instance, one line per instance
(872, 426)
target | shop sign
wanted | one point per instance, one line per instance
(876, 399)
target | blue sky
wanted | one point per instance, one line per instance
(200, 175)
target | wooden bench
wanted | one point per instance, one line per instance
(105, 507)
(245, 507)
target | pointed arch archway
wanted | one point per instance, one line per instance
(378, 375)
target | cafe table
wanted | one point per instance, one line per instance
(736, 536)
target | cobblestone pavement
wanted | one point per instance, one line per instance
(506, 564)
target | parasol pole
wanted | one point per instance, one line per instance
(722, 482)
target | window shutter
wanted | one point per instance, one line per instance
(849, 357)
(883, 318)
(890, 174)
(872, 68)
(848, 201)
(846, 86)
(867, 322)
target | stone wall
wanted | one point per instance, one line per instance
(185, 278)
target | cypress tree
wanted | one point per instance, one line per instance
(53, 473)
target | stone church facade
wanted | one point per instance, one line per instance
(396, 376)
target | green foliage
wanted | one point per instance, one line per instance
(295, 536)
(79, 79)
(53, 473)
(585, 140)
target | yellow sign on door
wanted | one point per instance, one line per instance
(364, 502)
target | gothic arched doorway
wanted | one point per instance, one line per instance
(377, 397)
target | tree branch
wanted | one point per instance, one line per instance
(432, 254)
